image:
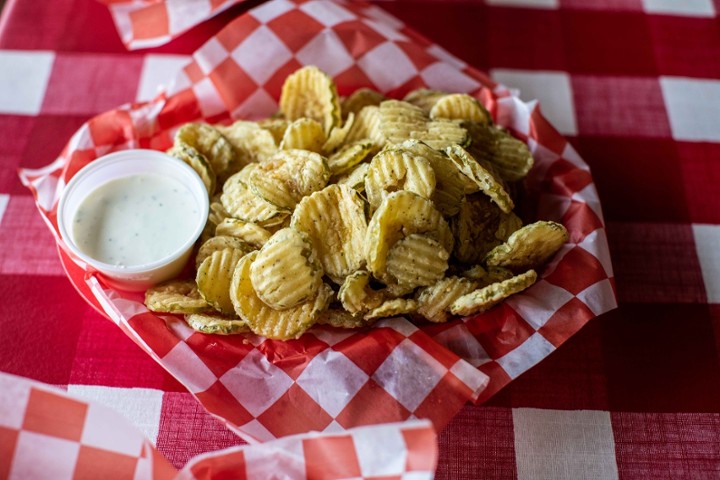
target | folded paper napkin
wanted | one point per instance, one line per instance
(48, 433)
(330, 379)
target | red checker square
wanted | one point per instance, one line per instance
(237, 31)
(438, 352)
(46, 353)
(545, 134)
(614, 5)
(352, 79)
(444, 401)
(686, 46)
(187, 430)
(93, 463)
(218, 399)
(154, 332)
(580, 220)
(55, 415)
(178, 109)
(499, 378)
(294, 412)
(292, 356)
(592, 45)
(487, 449)
(650, 187)
(75, 75)
(372, 405)
(150, 21)
(78, 160)
(499, 330)
(112, 128)
(232, 83)
(8, 440)
(230, 466)
(194, 72)
(701, 177)
(48, 136)
(369, 350)
(413, 83)
(341, 449)
(577, 270)
(286, 28)
(620, 106)
(274, 84)
(358, 37)
(220, 355)
(565, 178)
(18, 128)
(666, 445)
(524, 38)
(567, 321)
(421, 449)
(417, 54)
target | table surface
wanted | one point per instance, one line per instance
(635, 87)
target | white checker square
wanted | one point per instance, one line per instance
(210, 55)
(257, 106)
(462, 343)
(544, 4)
(4, 199)
(107, 430)
(187, 367)
(596, 243)
(286, 451)
(248, 381)
(444, 76)
(334, 390)
(14, 395)
(183, 14)
(692, 107)
(334, 427)
(254, 432)
(59, 457)
(691, 8)
(443, 55)
(564, 444)
(141, 406)
(409, 374)
(327, 13)
(261, 54)
(376, 65)
(332, 337)
(470, 376)
(383, 18)
(522, 358)
(210, 101)
(539, 302)
(400, 324)
(271, 10)
(327, 52)
(552, 89)
(24, 80)
(377, 450)
(599, 297)
(707, 244)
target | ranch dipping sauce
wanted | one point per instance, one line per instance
(135, 220)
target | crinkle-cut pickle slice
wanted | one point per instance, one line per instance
(176, 296)
(214, 276)
(216, 324)
(310, 92)
(266, 321)
(483, 299)
(529, 247)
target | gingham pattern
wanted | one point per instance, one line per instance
(48, 433)
(396, 367)
(630, 83)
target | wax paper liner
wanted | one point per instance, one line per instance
(48, 433)
(330, 379)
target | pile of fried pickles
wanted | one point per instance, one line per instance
(344, 211)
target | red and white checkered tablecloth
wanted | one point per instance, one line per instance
(634, 87)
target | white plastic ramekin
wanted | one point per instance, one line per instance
(119, 165)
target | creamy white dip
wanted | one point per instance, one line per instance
(135, 220)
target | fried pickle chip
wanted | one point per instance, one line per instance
(366, 126)
(400, 121)
(197, 162)
(529, 247)
(176, 296)
(424, 98)
(483, 299)
(392, 308)
(310, 92)
(334, 220)
(208, 140)
(240, 201)
(402, 213)
(265, 320)
(252, 143)
(304, 134)
(481, 177)
(487, 276)
(220, 242)
(339, 318)
(355, 179)
(214, 276)
(276, 126)
(348, 156)
(337, 135)
(356, 295)
(395, 169)
(434, 300)
(417, 260)
(510, 157)
(459, 106)
(250, 233)
(217, 324)
(286, 271)
(360, 98)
